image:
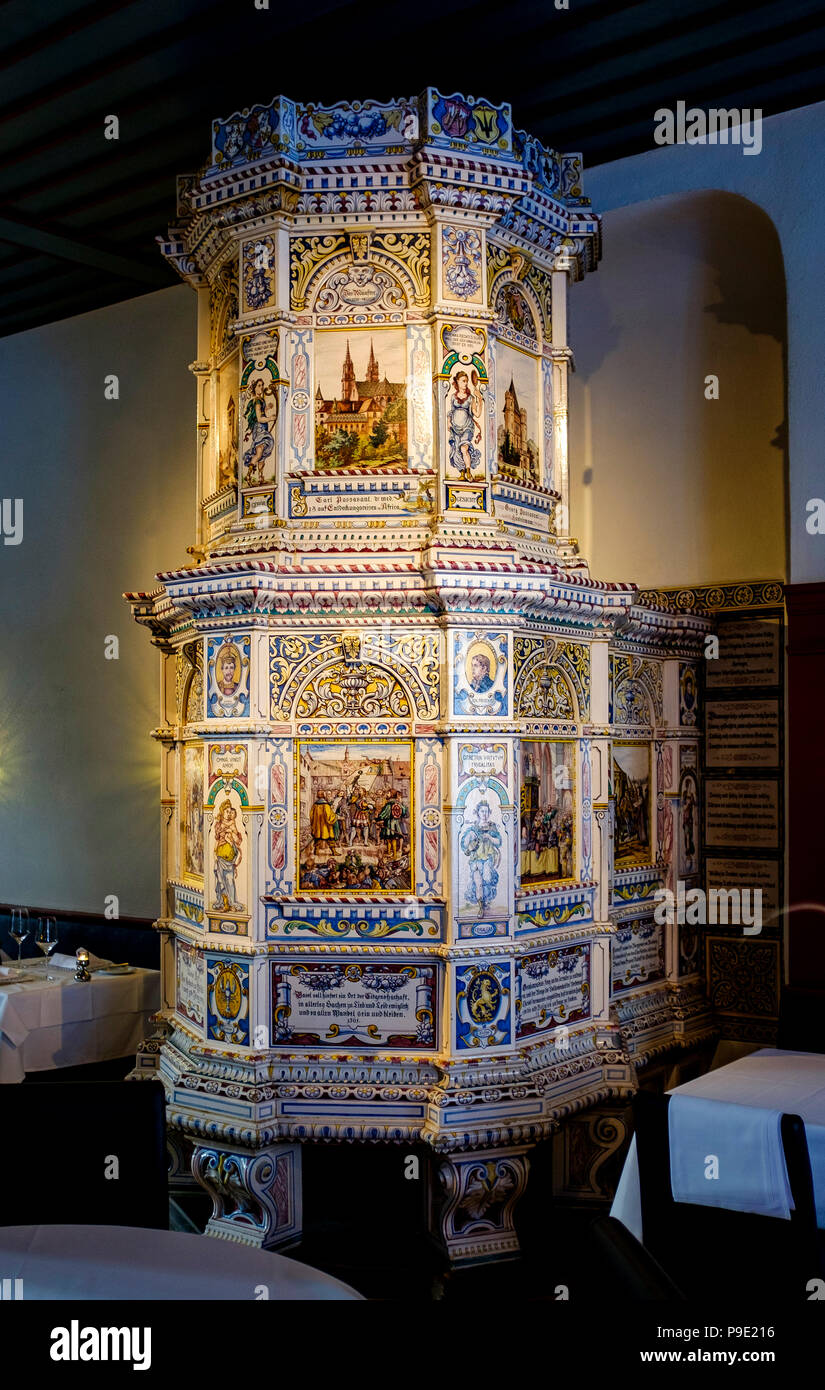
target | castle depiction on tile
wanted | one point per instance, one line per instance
(416, 747)
(517, 413)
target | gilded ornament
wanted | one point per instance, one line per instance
(306, 254)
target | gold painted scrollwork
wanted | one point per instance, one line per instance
(536, 654)
(182, 669)
(305, 255)
(525, 648)
(574, 659)
(542, 285)
(637, 690)
(298, 501)
(412, 249)
(287, 655)
(405, 668)
(189, 683)
(419, 651)
(223, 310)
(498, 262)
(543, 694)
(351, 690)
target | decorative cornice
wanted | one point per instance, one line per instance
(310, 163)
(708, 598)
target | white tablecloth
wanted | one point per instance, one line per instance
(793, 1082)
(64, 1023)
(122, 1262)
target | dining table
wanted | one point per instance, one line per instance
(728, 1108)
(114, 1263)
(50, 1019)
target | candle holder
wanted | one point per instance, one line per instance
(82, 971)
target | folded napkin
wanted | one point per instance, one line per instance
(62, 962)
(746, 1142)
(70, 962)
(15, 976)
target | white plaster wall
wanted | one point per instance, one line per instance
(668, 486)
(785, 180)
(108, 491)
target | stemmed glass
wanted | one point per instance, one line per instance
(46, 937)
(20, 928)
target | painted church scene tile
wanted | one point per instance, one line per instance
(355, 821)
(631, 790)
(361, 400)
(547, 811)
(517, 416)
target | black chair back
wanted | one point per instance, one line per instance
(713, 1252)
(93, 1153)
(630, 1270)
(801, 1025)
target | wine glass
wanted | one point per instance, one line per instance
(14, 914)
(46, 937)
(19, 928)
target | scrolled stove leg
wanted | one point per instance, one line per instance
(474, 1201)
(256, 1195)
(179, 1154)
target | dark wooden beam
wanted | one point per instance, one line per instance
(68, 249)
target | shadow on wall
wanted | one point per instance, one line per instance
(677, 478)
(107, 486)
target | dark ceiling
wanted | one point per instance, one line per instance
(79, 213)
